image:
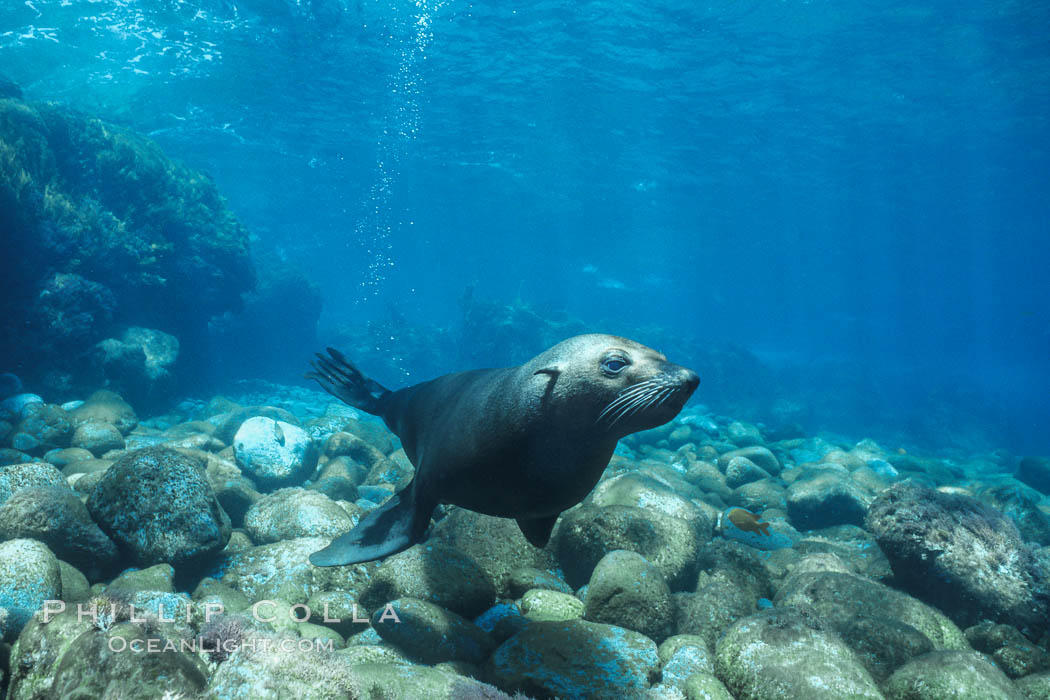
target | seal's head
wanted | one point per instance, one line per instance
(613, 384)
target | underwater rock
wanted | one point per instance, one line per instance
(502, 621)
(741, 470)
(229, 422)
(55, 516)
(282, 571)
(760, 496)
(826, 499)
(274, 665)
(430, 633)
(787, 653)
(541, 605)
(885, 628)
(29, 575)
(274, 453)
(10, 456)
(1010, 649)
(43, 427)
(295, 512)
(574, 659)
(140, 364)
(98, 664)
(683, 655)
(1035, 471)
(75, 586)
(744, 434)
(157, 504)
(17, 404)
(106, 407)
(494, 544)
(527, 578)
(14, 477)
(965, 675)
(1035, 686)
(587, 533)
(66, 456)
(962, 556)
(435, 573)
(36, 655)
(97, 437)
(1022, 505)
(627, 591)
(84, 197)
(759, 456)
(643, 490)
(746, 527)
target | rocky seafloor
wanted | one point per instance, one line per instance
(880, 574)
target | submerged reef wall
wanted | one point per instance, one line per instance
(102, 231)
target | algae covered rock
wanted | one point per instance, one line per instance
(545, 606)
(435, 573)
(627, 591)
(157, 505)
(294, 512)
(965, 675)
(587, 533)
(102, 664)
(1035, 471)
(35, 656)
(964, 557)
(14, 477)
(789, 654)
(114, 232)
(55, 516)
(97, 437)
(106, 406)
(43, 427)
(431, 633)
(29, 575)
(826, 499)
(575, 659)
(140, 364)
(495, 544)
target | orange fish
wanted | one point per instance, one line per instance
(748, 521)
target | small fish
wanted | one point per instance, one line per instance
(744, 526)
(747, 521)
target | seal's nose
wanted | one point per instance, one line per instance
(690, 379)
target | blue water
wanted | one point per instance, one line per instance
(852, 191)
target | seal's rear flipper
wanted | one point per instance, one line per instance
(338, 376)
(537, 530)
(389, 529)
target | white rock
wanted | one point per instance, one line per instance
(274, 453)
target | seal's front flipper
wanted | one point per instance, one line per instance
(389, 529)
(537, 530)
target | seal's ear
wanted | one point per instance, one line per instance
(553, 372)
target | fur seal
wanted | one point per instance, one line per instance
(524, 442)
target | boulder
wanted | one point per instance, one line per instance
(575, 659)
(156, 504)
(55, 516)
(274, 453)
(962, 556)
(790, 654)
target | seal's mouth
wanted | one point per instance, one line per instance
(664, 390)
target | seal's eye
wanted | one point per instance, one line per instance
(614, 365)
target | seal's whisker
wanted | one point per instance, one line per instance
(658, 398)
(673, 390)
(626, 409)
(625, 397)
